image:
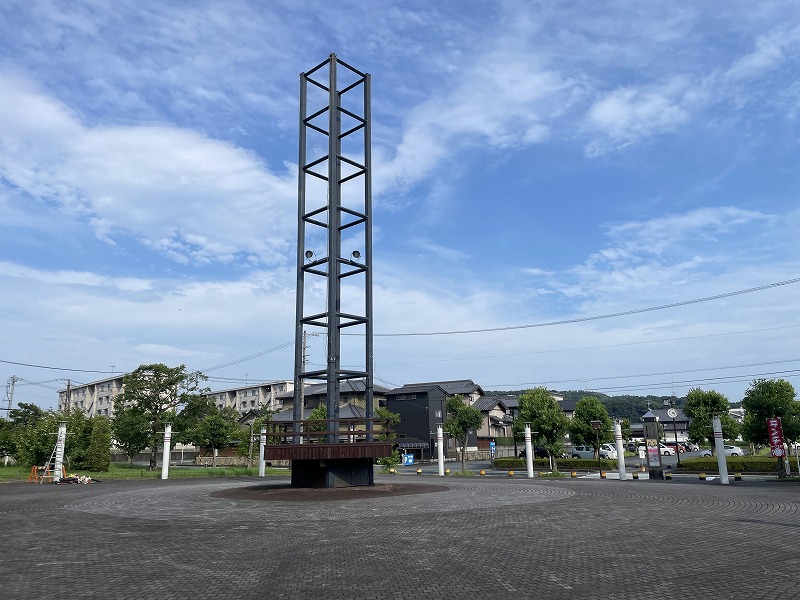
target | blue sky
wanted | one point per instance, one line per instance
(533, 162)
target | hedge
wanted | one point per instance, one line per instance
(563, 464)
(745, 464)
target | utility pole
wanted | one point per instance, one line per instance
(10, 393)
(301, 394)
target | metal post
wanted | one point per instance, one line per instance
(620, 450)
(167, 451)
(440, 448)
(334, 250)
(719, 447)
(528, 449)
(60, 442)
(262, 442)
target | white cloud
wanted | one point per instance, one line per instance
(194, 198)
(626, 115)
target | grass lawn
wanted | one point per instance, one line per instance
(125, 471)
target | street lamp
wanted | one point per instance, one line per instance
(596, 425)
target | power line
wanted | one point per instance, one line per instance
(660, 385)
(600, 347)
(10, 362)
(597, 317)
(251, 357)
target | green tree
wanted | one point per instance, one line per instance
(388, 462)
(157, 391)
(188, 419)
(8, 444)
(701, 406)
(130, 428)
(79, 437)
(26, 415)
(35, 442)
(461, 419)
(590, 409)
(98, 456)
(540, 409)
(247, 437)
(215, 432)
(627, 429)
(766, 399)
(318, 413)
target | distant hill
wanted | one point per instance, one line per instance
(620, 407)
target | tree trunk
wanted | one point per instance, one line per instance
(153, 458)
(130, 459)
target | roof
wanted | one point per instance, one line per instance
(349, 386)
(451, 388)
(410, 442)
(485, 403)
(346, 411)
(662, 415)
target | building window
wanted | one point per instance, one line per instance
(438, 414)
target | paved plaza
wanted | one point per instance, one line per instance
(411, 537)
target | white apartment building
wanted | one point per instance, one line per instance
(252, 397)
(97, 398)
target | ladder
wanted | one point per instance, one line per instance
(49, 470)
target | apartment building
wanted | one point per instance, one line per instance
(268, 396)
(97, 398)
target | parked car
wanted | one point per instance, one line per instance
(538, 452)
(663, 449)
(691, 446)
(679, 446)
(729, 451)
(608, 451)
(582, 452)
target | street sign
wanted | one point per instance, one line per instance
(408, 460)
(492, 449)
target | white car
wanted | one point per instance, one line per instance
(608, 451)
(666, 450)
(729, 451)
(663, 449)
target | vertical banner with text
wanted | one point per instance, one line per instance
(775, 432)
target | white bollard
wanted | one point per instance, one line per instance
(440, 448)
(60, 441)
(719, 447)
(167, 451)
(262, 443)
(528, 450)
(620, 451)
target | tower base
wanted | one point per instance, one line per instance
(335, 473)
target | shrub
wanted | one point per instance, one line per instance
(745, 464)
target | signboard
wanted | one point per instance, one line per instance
(492, 449)
(408, 460)
(775, 433)
(653, 454)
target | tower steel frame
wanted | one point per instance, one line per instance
(328, 219)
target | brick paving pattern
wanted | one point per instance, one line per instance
(465, 538)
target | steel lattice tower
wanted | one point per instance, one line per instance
(335, 210)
